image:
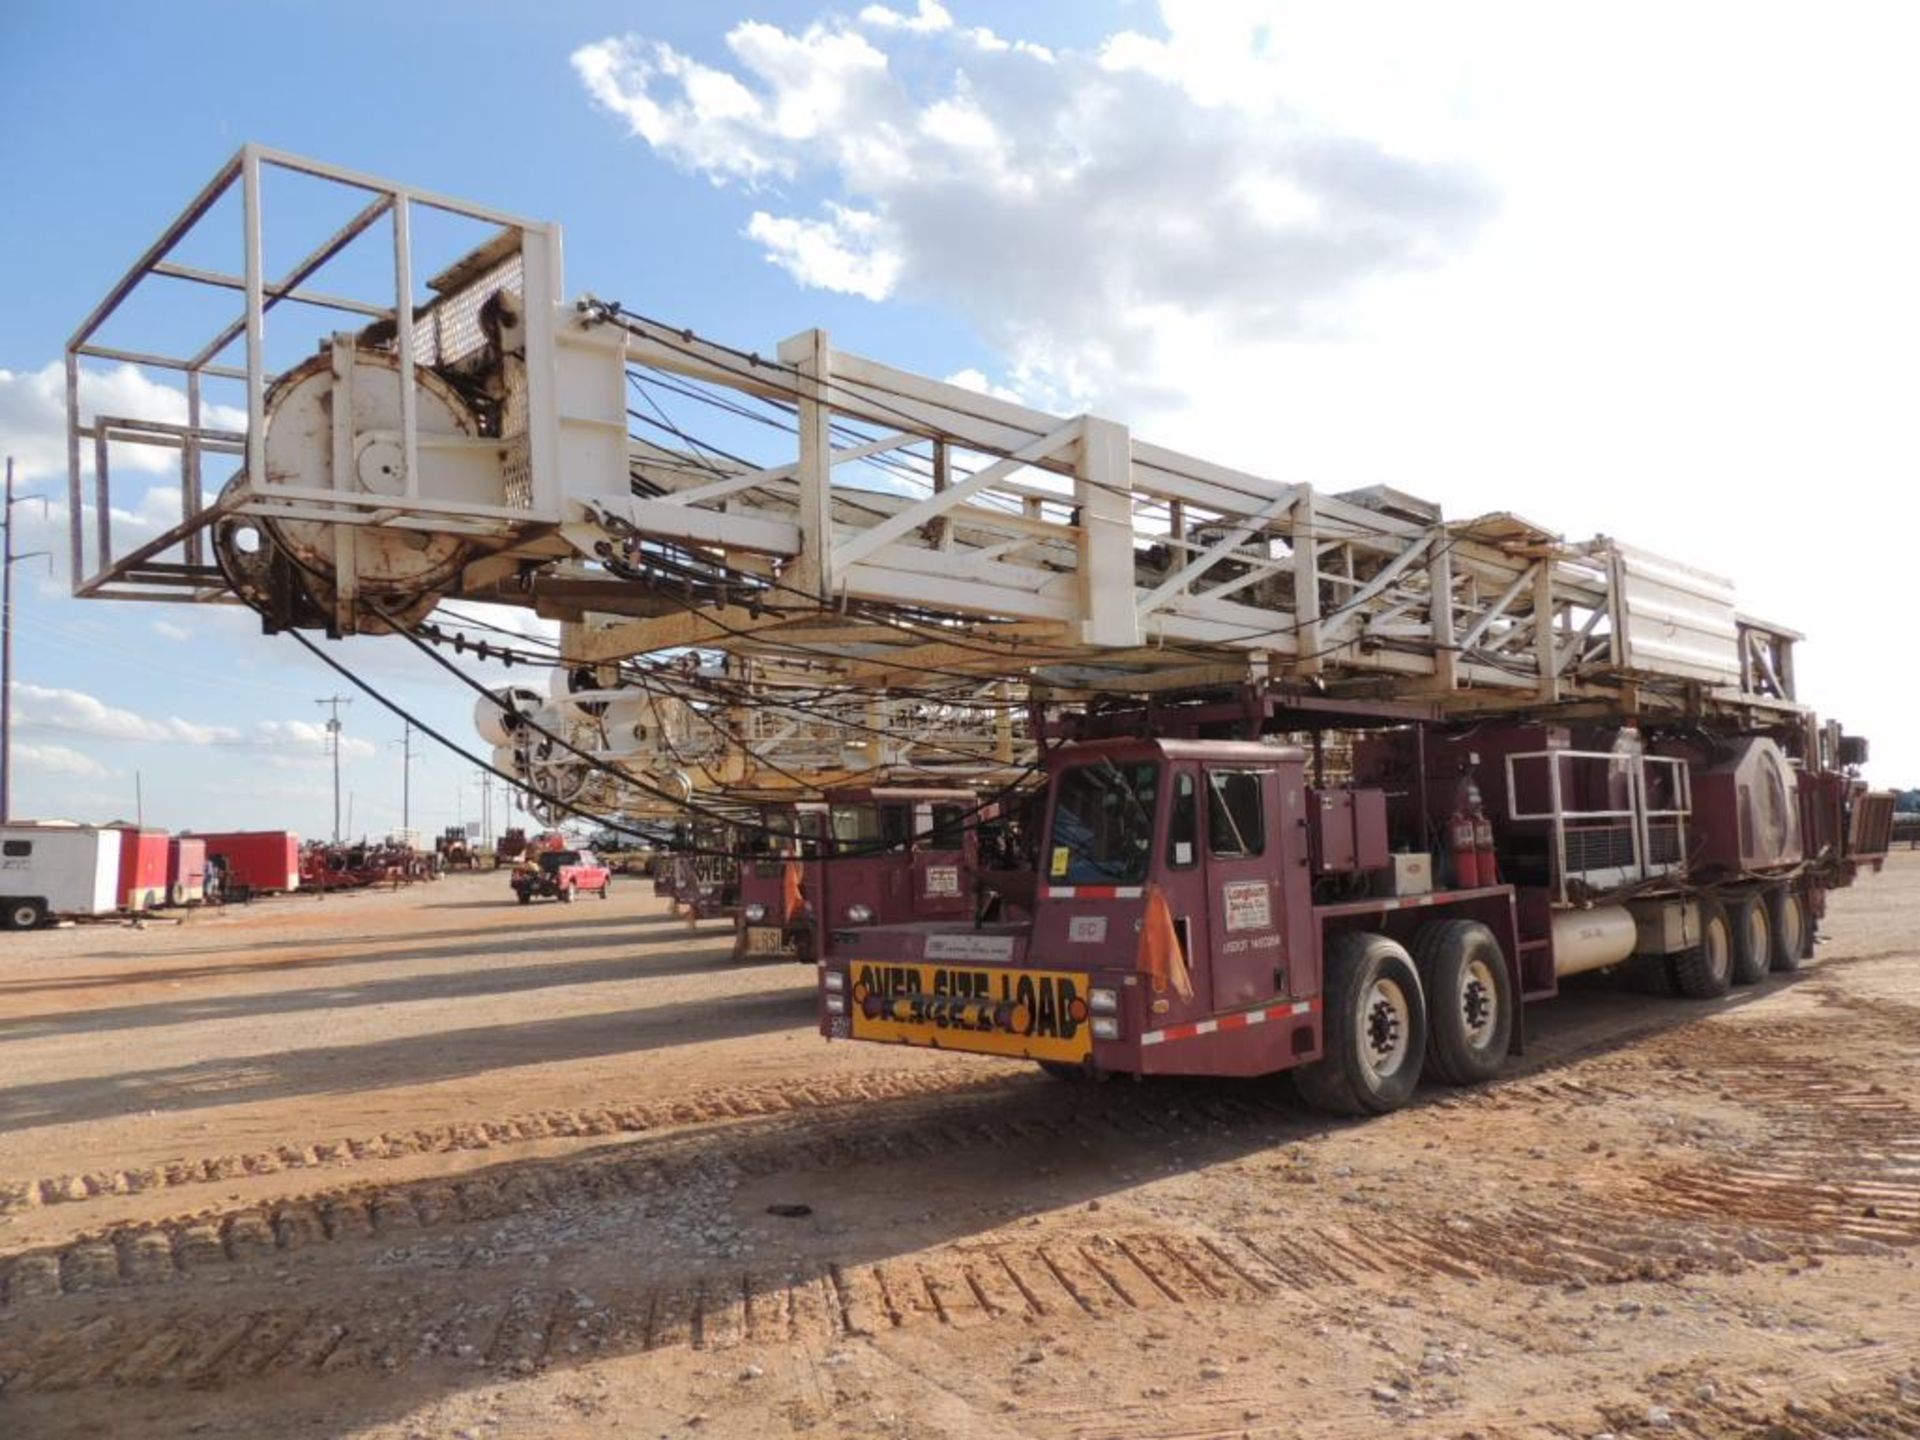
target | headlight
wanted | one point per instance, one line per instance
(834, 980)
(1103, 1002)
(755, 914)
(859, 915)
(836, 1004)
(1106, 1027)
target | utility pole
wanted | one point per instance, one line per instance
(407, 757)
(333, 733)
(7, 557)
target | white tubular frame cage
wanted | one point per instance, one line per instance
(1642, 826)
(1060, 555)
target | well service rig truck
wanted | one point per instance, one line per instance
(1567, 756)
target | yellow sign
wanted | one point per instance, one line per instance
(1039, 1014)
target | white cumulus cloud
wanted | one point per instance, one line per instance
(1064, 202)
(58, 760)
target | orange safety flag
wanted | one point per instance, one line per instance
(1160, 953)
(790, 899)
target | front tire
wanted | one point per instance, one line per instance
(1752, 939)
(524, 897)
(1789, 914)
(1706, 971)
(26, 914)
(1373, 1025)
(1469, 1000)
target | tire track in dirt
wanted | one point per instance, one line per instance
(737, 1102)
(1088, 1278)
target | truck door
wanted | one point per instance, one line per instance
(1242, 865)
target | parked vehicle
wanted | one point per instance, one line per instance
(1202, 909)
(186, 870)
(143, 867)
(51, 870)
(255, 862)
(561, 875)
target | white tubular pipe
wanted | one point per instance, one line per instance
(1592, 939)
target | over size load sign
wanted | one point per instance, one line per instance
(1038, 1014)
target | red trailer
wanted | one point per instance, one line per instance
(255, 862)
(143, 868)
(186, 870)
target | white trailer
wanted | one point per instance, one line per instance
(51, 869)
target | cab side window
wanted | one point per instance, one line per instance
(1236, 816)
(1183, 822)
(14, 849)
(896, 826)
(947, 827)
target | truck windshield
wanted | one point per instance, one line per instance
(872, 827)
(1103, 824)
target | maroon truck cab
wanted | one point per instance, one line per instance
(781, 880)
(705, 883)
(1188, 895)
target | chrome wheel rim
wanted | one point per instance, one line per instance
(1479, 1003)
(1385, 1021)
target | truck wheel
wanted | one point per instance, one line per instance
(1373, 1027)
(1752, 939)
(1706, 971)
(1789, 914)
(606, 889)
(523, 896)
(1469, 1000)
(566, 896)
(26, 914)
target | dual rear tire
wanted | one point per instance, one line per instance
(1446, 1009)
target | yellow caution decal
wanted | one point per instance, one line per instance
(1039, 1014)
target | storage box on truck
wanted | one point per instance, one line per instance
(257, 862)
(49, 870)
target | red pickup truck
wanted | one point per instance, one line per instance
(561, 874)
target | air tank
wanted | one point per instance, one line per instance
(1592, 939)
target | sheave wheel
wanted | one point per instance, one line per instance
(1752, 930)
(1469, 1000)
(1789, 913)
(1706, 971)
(1374, 1023)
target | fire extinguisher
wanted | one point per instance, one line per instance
(1489, 868)
(1464, 848)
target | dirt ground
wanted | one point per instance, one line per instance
(429, 1163)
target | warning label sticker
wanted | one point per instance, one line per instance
(1247, 905)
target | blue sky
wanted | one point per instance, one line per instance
(139, 105)
(1627, 270)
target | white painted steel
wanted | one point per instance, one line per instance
(1052, 550)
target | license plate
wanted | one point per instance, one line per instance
(1038, 1014)
(764, 940)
